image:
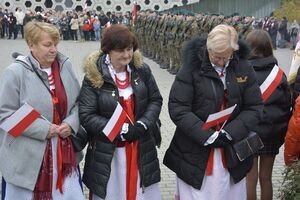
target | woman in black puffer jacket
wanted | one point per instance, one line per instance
(127, 167)
(276, 114)
(215, 75)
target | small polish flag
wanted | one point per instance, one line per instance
(20, 120)
(217, 118)
(115, 123)
(271, 83)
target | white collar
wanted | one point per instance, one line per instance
(219, 69)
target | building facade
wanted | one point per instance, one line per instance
(105, 5)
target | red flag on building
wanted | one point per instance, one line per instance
(20, 120)
(271, 83)
(115, 123)
(219, 117)
(134, 12)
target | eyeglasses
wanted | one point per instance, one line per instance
(215, 57)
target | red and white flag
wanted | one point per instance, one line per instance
(115, 123)
(271, 83)
(134, 12)
(217, 118)
(20, 120)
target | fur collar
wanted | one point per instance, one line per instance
(195, 56)
(92, 72)
(195, 53)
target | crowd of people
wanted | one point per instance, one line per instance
(87, 25)
(72, 25)
(225, 64)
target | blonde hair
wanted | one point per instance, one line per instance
(222, 38)
(34, 29)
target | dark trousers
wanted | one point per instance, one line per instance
(273, 39)
(20, 29)
(86, 35)
(3, 189)
(74, 34)
(12, 30)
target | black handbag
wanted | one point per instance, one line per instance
(243, 149)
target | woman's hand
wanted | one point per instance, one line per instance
(53, 131)
(64, 130)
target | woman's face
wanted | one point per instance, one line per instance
(121, 57)
(220, 59)
(45, 50)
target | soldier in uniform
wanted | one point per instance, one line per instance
(163, 35)
(170, 38)
(158, 49)
(153, 35)
(175, 45)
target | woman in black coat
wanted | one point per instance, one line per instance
(276, 114)
(215, 75)
(125, 167)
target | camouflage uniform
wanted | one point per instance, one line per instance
(174, 45)
(163, 35)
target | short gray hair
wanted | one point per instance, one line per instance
(222, 38)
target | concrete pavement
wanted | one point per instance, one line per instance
(77, 52)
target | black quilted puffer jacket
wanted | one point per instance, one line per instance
(97, 101)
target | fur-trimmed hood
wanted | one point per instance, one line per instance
(92, 72)
(195, 53)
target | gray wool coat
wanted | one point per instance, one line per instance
(21, 157)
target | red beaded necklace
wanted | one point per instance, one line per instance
(122, 84)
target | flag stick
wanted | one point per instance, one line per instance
(227, 119)
(223, 125)
(126, 114)
(45, 119)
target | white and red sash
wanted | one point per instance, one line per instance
(271, 83)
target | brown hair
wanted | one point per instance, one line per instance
(118, 37)
(260, 43)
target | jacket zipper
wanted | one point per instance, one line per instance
(142, 174)
(214, 91)
(140, 155)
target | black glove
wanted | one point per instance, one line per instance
(221, 141)
(134, 132)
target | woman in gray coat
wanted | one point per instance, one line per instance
(40, 163)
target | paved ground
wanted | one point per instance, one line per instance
(77, 52)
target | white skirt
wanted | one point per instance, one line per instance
(116, 186)
(218, 186)
(71, 187)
